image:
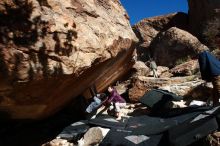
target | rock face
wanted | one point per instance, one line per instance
(191, 90)
(175, 46)
(204, 20)
(186, 69)
(51, 51)
(141, 69)
(141, 85)
(147, 29)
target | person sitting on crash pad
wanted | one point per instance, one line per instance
(210, 72)
(116, 101)
(99, 99)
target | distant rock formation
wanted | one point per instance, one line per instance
(170, 40)
(147, 29)
(175, 46)
(52, 51)
(204, 21)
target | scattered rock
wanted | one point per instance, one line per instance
(141, 69)
(58, 142)
(75, 131)
(141, 84)
(166, 74)
(201, 92)
(185, 69)
(93, 136)
(191, 90)
(213, 139)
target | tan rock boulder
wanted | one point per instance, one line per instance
(147, 29)
(191, 90)
(141, 69)
(141, 84)
(52, 51)
(182, 88)
(175, 46)
(203, 92)
(58, 142)
(166, 74)
(94, 136)
(186, 68)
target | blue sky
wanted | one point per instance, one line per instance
(139, 9)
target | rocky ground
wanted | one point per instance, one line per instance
(95, 134)
(90, 138)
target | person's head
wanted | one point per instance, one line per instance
(102, 96)
(110, 89)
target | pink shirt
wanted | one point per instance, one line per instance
(115, 97)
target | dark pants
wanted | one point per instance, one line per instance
(216, 89)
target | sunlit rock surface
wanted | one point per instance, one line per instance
(148, 29)
(176, 46)
(51, 51)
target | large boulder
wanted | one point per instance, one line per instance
(175, 46)
(141, 84)
(141, 69)
(147, 29)
(204, 20)
(191, 90)
(51, 51)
